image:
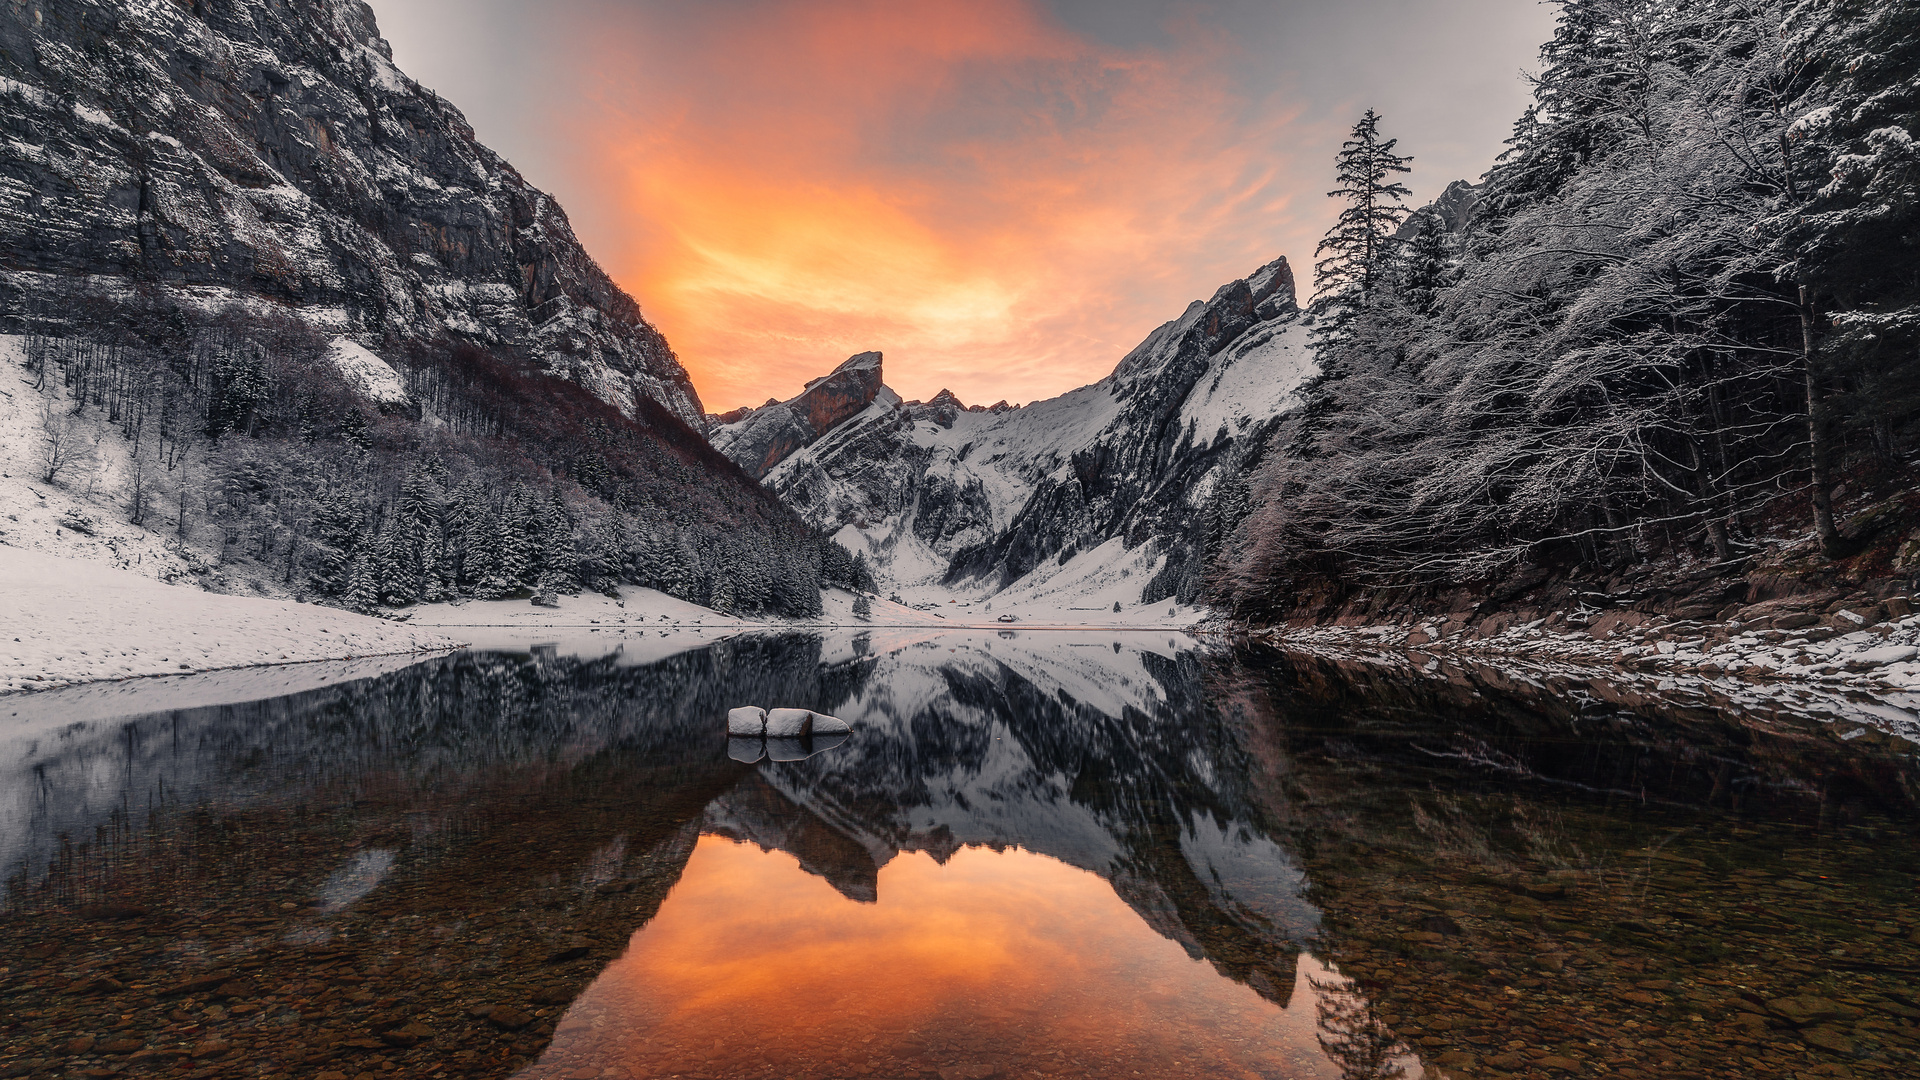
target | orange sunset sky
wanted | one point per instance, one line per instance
(1002, 195)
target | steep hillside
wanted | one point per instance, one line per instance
(978, 499)
(270, 156)
(270, 317)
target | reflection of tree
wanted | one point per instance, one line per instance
(1353, 1036)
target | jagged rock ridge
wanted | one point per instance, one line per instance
(980, 498)
(758, 439)
(270, 155)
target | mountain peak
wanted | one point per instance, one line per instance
(759, 439)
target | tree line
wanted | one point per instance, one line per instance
(1684, 310)
(494, 480)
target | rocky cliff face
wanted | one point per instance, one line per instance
(759, 439)
(269, 155)
(981, 498)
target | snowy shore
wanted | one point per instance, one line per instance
(66, 621)
(1878, 658)
(1864, 677)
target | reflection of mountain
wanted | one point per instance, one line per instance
(1094, 753)
(416, 847)
(448, 724)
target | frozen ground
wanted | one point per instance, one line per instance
(65, 621)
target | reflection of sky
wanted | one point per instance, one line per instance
(363, 871)
(753, 962)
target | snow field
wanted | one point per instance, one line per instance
(65, 621)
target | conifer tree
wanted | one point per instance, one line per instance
(862, 607)
(520, 537)
(398, 577)
(1854, 244)
(419, 541)
(338, 533)
(363, 587)
(469, 539)
(1426, 263)
(1358, 248)
(560, 562)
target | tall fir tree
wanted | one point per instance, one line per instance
(1354, 257)
(339, 530)
(1426, 262)
(559, 563)
(1853, 243)
(363, 584)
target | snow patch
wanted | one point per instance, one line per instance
(1251, 380)
(371, 377)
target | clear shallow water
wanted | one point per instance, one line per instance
(1038, 855)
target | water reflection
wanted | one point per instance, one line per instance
(1254, 863)
(995, 962)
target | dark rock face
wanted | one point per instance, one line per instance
(270, 156)
(759, 439)
(1454, 210)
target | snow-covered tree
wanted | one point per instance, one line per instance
(1354, 256)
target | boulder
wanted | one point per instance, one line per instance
(748, 720)
(800, 723)
(789, 723)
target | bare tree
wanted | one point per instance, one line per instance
(64, 441)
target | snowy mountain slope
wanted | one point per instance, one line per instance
(759, 439)
(270, 156)
(977, 500)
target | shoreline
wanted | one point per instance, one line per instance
(1880, 657)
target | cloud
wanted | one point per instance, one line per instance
(1004, 196)
(996, 202)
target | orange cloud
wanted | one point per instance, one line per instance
(1002, 206)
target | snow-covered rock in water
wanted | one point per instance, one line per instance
(789, 723)
(829, 725)
(270, 157)
(747, 720)
(371, 377)
(983, 499)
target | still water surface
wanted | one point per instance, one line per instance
(1037, 855)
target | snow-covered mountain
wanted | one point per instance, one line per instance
(270, 156)
(758, 439)
(983, 499)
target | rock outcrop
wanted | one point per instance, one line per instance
(981, 497)
(270, 156)
(759, 439)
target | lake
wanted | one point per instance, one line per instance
(1038, 854)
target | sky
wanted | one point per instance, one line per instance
(1003, 196)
